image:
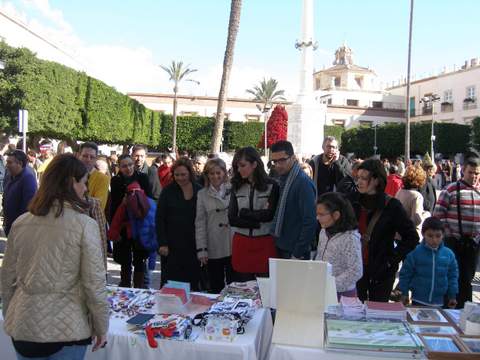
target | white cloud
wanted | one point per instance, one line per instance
(54, 15)
(125, 68)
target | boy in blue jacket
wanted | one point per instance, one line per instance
(430, 271)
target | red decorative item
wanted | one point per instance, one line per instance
(277, 126)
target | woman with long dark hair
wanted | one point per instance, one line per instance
(53, 275)
(380, 217)
(252, 208)
(126, 251)
(175, 222)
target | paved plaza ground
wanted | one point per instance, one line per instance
(114, 271)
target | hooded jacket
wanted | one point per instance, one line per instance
(430, 274)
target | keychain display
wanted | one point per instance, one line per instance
(128, 302)
(225, 319)
(166, 326)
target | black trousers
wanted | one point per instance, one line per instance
(185, 269)
(220, 272)
(466, 252)
(467, 263)
(374, 290)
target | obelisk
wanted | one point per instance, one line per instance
(306, 116)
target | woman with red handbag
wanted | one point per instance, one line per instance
(253, 202)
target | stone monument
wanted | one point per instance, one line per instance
(306, 117)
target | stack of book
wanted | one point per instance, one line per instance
(351, 306)
(383, 310)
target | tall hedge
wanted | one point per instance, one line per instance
(68, 104)
(334, 130)
(475, 136)
(450, 139)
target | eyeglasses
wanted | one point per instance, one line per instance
(323, 215)
(281, 160)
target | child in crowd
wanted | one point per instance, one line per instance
(339, 242)
(430, 271)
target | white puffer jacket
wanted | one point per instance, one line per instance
(53, 278)
(344, 252)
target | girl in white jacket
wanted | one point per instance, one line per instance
(339, 242)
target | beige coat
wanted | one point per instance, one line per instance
(412, 201)
(53, 278)
(212, 230)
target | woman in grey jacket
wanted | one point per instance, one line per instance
(212, 231)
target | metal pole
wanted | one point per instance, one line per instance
(407, 119)
(432, 138)
(375, 139)
(265, 125)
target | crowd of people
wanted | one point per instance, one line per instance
(211, 223)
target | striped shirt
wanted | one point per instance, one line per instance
(446, 210)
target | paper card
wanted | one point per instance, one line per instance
(301, 286)
(273, 282)
(298, 329)
(264, 287)
(179, 285)
(182, 295)
(169, 304)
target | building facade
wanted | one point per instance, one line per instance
(354, 95)
(236, 109)
(457, 93)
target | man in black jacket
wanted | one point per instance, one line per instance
(330, 167)
(139, 154)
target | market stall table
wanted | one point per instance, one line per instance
(123, 344)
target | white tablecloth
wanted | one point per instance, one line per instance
(253, 345)
(284, 352)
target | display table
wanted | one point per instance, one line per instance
(122, 344)
(283, 352)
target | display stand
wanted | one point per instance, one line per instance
(302, 291)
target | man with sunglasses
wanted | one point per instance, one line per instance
(295, 223)
(330, 167)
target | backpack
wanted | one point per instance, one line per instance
(137, 202)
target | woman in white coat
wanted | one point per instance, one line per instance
(212, 230)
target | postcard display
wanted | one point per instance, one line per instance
(302, 290)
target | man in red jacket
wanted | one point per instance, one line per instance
(394, 181)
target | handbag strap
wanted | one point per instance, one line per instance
(374, 220)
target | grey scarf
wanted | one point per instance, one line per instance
(279, 214)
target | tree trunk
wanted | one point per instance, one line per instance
(174, 134)
(233, 25)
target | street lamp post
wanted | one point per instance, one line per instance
(431, 100)
(375, 148)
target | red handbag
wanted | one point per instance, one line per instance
(250, 254)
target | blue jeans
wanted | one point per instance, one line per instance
(74, 352)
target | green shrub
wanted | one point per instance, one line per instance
(334, 130)
(450, 139)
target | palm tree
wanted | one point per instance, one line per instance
(233, 25)
(177, 73)
(266, 94)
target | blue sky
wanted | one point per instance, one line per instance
(445, 33)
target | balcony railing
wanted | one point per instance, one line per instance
(446, 107)
(469, 105)
(427, 110)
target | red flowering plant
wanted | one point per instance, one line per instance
(277, 126)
